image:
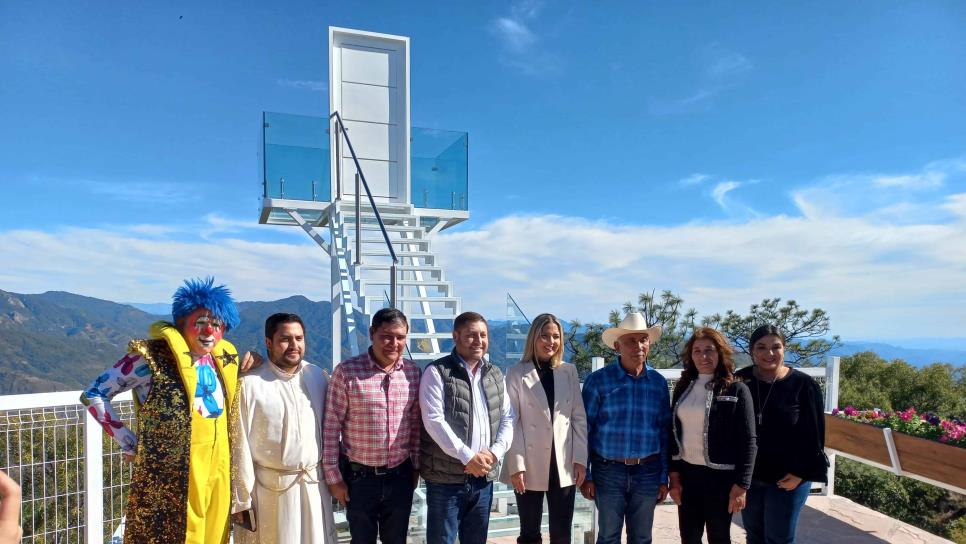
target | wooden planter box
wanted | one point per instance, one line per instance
(926, 460)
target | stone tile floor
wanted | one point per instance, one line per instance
(825, 520)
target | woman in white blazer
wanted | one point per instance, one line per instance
(548, 455)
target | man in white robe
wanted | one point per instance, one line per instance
(279, 444)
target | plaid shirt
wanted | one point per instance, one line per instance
(628, 417)
(375, 411)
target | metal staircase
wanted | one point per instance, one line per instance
(421, 290)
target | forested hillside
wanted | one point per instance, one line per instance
(59, 341)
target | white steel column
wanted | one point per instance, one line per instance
(832, 367)
(93, 480)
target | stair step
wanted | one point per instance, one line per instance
(430, 335)
(351, 226)
(427, 299)
(395, 241)
(424, 356)
(408, 283)
(430, 316)
(403, 267)
(385, 253)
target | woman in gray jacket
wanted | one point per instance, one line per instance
(548, 455)
(713, 447)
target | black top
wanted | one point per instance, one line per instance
(790, 427)
(545, 372)
(730, 436)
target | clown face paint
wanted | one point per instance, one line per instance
(202, 330)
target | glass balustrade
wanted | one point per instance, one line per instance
(439, 169)
(296, 159)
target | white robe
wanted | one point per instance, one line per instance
(277, 457)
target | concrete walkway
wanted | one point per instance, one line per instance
(825, 520)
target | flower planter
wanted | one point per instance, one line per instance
(926, 460)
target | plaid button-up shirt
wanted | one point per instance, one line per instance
(375, 411)
(627, 416)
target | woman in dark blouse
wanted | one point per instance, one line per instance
(791, 439)
(713, 440)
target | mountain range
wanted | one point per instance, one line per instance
(59, 341)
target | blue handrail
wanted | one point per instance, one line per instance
(341, 128)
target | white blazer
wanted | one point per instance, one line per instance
(535, 426)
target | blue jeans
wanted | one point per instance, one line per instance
(771, 513)
(462, 509)
(625, 494)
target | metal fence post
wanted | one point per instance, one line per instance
(392, 286)
(358, 220)
(596, 363)
(338, 160)
(93, 480)
(831, 401)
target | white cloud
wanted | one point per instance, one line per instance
(515, 34)
(693, 179)
(304, 84)
(876, 276)
(521, 45)
(721, 190)
(900, 198)
(850, 267)
(724, 63)
(118, 265)
(718, 69)
(138, 191)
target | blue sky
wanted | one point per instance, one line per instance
(730, 152)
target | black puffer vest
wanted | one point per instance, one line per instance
(435, 465)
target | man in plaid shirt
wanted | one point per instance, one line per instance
(373, 403)
(628, 427)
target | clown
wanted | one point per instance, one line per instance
(184, 382)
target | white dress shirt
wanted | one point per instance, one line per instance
(434, 419)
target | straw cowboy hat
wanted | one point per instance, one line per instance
(633, 323)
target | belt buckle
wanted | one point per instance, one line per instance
(631, 462)
(380, 471)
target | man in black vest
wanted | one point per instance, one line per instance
(467, 427)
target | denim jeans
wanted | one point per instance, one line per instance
(771, 513)
(625, 493)
(379, 506)
(458, 509)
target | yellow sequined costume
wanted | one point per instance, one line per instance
(181, 486)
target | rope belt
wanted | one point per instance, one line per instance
(302, 472)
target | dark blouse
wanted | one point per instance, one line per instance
(545, 372)
(790, 425)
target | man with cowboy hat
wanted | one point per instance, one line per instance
(628, 425)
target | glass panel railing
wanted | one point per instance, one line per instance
(295, 157)
(439, 168)
(517, 327)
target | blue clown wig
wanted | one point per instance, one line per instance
(201, 293)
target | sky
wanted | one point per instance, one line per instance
(727, 152)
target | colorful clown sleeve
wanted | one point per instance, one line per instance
(130, 372)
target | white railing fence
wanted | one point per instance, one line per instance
(75, 481)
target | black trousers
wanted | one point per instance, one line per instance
(560, 506)
(704, 503)
(379, 506)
